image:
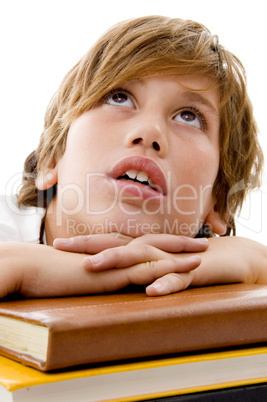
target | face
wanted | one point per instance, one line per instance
(144, 160)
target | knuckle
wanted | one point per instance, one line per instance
(113, 253)
(178, 281)
(144, 239)
(145, 251)
(84, 239)
(183, 239)
(152, 268)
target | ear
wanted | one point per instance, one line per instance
(215, 222)
(46, 179)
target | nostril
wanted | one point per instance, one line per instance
(137, 140)
(156, 146)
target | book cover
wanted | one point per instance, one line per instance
(61, 332)
(125, 382)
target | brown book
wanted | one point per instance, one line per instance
(60, 332)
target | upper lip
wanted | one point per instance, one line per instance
(141, 164)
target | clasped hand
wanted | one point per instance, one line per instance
(93, 264)
(164, 262)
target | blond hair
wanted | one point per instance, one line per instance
(151, 46)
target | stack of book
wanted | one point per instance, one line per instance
(131, 347)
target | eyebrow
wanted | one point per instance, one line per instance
(191, 96)
(197, 97)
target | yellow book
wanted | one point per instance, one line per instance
(134, 381)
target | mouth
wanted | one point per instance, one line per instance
(139, 177)
(141, 171)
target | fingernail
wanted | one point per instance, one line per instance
(66, 242)
(194, 259)
(156, 289)
(96, 259)
(157, 286)
(202, 240)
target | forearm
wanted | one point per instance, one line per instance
(259, 262)
(11, 271)
(35, 270)
(231, 260)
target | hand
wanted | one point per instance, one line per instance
(144, 256)
(227, 260)
(109, 251)
(35, 270)
(93, 244)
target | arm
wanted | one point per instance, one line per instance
(35, 270)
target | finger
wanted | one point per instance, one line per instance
(137, 260)
(123, 257)
(170, 283)
(172, 243)
(91, 244)
(145, 273)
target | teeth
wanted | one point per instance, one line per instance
(150, 182)
(132, 174)
(140, 176)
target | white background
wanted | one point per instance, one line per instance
(42, 39)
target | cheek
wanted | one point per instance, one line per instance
(198, 165)
(83, 151)
(89, 139)
(196, 171)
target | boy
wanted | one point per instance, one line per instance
(143, 146)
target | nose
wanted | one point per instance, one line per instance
(155, 144)
(151, 135)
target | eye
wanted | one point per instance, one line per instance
(191, 117)
(119, 97)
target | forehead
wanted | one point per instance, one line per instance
(192, 88)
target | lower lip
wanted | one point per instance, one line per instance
(127, 188)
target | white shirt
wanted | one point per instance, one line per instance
(19, 224)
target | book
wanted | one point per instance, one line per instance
(124, 382)
(55, 333)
